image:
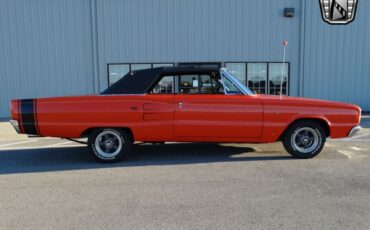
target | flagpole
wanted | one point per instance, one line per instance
(285, 44)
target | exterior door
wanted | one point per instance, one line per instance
(215, 115)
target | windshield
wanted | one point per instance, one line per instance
(236, 82)
(230, 87)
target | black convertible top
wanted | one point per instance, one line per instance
(140, 81)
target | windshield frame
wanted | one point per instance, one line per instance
(244, 89)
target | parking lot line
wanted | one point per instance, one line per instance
(17, 143)
(58, 144)
(350, 140)
(355, 148)
(359, 136)
(41, 147)
(362, 137)
(346, 153)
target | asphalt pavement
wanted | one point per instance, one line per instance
(48, 183)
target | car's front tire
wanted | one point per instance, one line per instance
(109, 145)
(304, 139)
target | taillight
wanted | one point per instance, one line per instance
(14, 109)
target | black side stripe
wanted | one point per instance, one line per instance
(20, 117)
(28, 116)
(36, 121)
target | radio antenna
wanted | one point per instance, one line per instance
(285, 44)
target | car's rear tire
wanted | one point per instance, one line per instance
(304, 139)
(109, 145)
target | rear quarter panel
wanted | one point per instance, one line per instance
(71, 116)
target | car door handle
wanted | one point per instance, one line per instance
(180, 105)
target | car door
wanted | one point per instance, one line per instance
(157, 116)
(216, 115)
(157, 109)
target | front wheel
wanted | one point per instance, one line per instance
(109, 145)
(304, 139)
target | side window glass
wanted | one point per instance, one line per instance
(164, 86)
(189, 84)
(209, 85)
(199, 84)
(206, 84)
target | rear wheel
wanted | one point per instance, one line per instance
(109, 145)
(304, 139)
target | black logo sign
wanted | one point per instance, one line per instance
(338, 11)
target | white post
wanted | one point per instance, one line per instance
(285, 44)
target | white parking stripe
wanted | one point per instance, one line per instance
(348, 154)
(58, 144)
(17, 143)
(359, 136)
(40, 147)
(355, 138)
(355, 148)
(257, 149)
(347, 140)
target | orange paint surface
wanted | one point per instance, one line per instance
(204, 118)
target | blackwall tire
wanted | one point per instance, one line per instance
(109, 145)
(304, 139)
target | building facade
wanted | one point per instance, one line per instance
(74, 47)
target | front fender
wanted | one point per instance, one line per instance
(276, 124)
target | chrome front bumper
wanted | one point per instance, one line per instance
(15, 124)
(354, 131)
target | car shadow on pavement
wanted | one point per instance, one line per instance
(76, 158)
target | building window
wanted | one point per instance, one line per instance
(200, 64)
(140, 66)
(238, 70)
(278, 78)
(162, 65)
(257, 77)
(117, 71)
(262, 77)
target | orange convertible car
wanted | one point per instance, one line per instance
(185, 104)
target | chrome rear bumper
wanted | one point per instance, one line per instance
(354, 131)
(15, 124)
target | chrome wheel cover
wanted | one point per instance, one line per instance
(305, 139)
(108, 144)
